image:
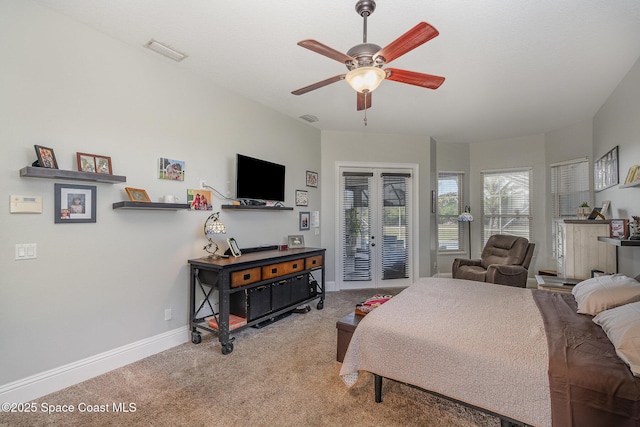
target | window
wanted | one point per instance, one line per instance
(506, 203)
(450, 199)
(569, 189)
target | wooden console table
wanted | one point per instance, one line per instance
(256, 287)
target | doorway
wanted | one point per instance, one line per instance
(375, 231)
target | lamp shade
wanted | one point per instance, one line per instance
(465, 217)
(365, 79)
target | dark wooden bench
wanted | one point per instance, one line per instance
(345, 327)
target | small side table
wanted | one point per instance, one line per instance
(556, 284)
(345, 327)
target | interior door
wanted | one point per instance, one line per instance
(376, 228)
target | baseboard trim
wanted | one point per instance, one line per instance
(41, 384)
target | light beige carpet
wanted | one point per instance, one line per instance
(282, 375)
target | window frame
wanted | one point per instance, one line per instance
(462, 240)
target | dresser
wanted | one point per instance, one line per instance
(579, 251)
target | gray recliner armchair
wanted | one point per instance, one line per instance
(505, 260)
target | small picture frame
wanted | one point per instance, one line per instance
(605, 208)
(618, 229)
(312, 179)
(595, 213)
(137, 194)
(302, 198)
(171, 169)
(94, 163)
(46, 157)
(296, 241)
(74, 203)
(233, 247)
(305, 219)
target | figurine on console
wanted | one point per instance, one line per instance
(633, 228)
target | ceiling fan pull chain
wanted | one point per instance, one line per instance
(365, 108)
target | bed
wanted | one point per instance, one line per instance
(524, 355)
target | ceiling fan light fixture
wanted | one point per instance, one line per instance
(365, 79)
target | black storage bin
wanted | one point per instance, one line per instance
(251, 303)
(208, 277)
(280, 294)
(299, 288)
(258, 302)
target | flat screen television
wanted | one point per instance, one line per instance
(259, 179)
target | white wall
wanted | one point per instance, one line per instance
(374, 148)
(616, 123)
(526, 151)
(96, 287)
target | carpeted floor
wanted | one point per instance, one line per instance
(282, 375)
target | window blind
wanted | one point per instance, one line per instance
(356, 230)
(451, 237)
(395, 235)
(506, 203)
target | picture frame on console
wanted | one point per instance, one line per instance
(296, 241)
(618, 229)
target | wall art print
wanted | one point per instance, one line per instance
(171, 169)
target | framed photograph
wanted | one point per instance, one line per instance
(46, 157)
(94, 163)
(631, 175)
(74, 203)
(296, 241)
(305, 219)
(605, 170)
(137, 194)
(302, 198)
(171, 169)
(595, 213)
(200, 200)
(312, 179)
(233, 247)
(605, 208)
(618, 229)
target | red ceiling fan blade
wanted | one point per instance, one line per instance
(412, 78)
(364, 102)
(325, 50)
(413, 38)
(318, 85)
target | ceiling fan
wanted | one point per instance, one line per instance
(365, 61)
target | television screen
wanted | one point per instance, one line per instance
(258, 179)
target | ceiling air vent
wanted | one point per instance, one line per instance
(165, 50)
(309, 118)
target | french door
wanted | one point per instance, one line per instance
(375, 242)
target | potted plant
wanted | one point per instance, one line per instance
(583, 210)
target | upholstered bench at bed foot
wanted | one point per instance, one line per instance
(345, 327)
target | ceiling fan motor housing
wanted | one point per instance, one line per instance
(363, 55)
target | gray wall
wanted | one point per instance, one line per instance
(96, 287)
(617, 123)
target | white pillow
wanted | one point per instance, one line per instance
(622, 326)
(603, 292)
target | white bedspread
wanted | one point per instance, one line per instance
(480, 343)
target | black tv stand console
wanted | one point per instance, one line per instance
(252, 288)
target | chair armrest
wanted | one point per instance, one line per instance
(511, 275)
(459, 262)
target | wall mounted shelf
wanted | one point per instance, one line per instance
(633, 184)
(619, 242)
(251, 207)
(37, 172)
(151, 206)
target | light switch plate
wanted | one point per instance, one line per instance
(26, 251)
(25, 204)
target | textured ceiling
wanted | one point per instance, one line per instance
(512, 67)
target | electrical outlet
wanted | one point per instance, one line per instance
(167, 314)
(203, 183)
